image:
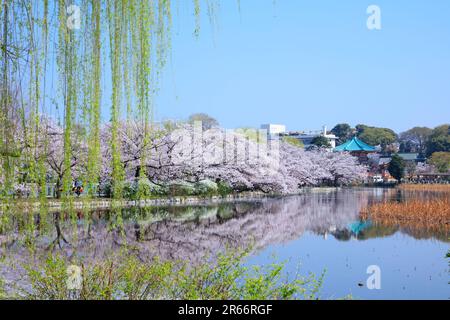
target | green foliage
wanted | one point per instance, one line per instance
(142, 189)
(224, 189)
(114, 12)
(441, 160)
(94, 92)
(197, 17)
(3, 293)
(267, 283)
(439, 140)
(397, 167)
(128, 278)
(207, 121)
(321, 141)
(376, 136)
(250, 133)
(139, 45)
(206, 188)
(49, 282)
(146, 188)
(181, 188)
(293, 141)
(343, 131)
(67, 64)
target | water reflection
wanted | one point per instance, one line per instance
(191, 232)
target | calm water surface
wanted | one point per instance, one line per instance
(309, 232)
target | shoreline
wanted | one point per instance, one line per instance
(27, 205)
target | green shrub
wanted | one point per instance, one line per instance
(105, 189)
(128, 278)
(224, 189)
(293, 141)
(129, 190)
(3, 294)
(181, 188)
(142, 189)
(146, 188)
(206, 187)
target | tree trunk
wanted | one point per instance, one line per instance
(58, 187)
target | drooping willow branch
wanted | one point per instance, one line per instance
(49, 68)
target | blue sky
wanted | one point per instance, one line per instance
(312, 63)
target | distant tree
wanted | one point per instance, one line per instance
(410, 168)
(441, 160)
(343, 131)
(439, 140)
(408, 146)
(397, 167)
(392, 148)
(321, 141)
(376, 136)
(422, 168)
(207, 121)
(250, 133)
(415, 139)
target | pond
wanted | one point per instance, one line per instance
(311, 232)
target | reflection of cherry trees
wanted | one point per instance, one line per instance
(193, 232)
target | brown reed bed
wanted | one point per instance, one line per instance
(428, 214)
(426, 187)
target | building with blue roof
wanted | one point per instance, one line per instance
(355, 145)
(357, 148)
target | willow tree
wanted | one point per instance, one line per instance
(94, 106)
(5, 172)
(138, 31)
(114, 12)
(24, 38)
(67, 67)
(130, 38)
(36, 17)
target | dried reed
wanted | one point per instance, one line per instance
(431, 214)
(426, 187)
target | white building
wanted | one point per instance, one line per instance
(307, 138)
(274, 130)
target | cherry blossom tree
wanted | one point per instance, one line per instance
(50, 146)
(424, 168)
(189, 153)
(186, 153)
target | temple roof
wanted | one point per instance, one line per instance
(355, 145)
